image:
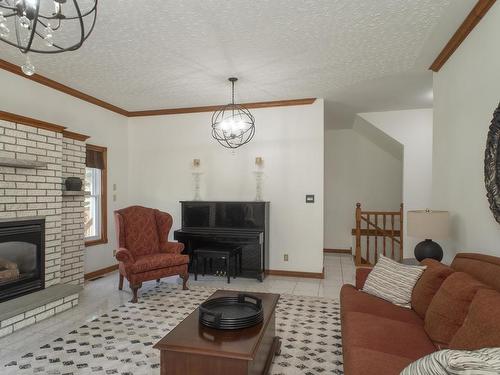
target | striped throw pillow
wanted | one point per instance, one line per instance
(393, 281)
(457, 362)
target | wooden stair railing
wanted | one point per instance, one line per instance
(389, 227)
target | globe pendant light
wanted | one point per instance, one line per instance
(233, 125)
(46, 26)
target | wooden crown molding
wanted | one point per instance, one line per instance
(5, 65)
(18, 119)
(212, 108)
(75, 136)
(470, 22)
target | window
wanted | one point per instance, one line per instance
(95, 216)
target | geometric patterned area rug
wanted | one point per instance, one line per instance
(121, 341)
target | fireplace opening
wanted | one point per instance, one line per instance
(22, 252)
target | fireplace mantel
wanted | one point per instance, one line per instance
(22, 163)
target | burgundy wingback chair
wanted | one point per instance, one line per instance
(144, 251)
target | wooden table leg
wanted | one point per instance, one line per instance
(275, 350)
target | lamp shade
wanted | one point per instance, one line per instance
(428, 224)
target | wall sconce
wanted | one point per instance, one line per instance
(196, 163)
(259, 161)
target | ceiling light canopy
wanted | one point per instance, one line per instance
(46, 26)
(233, 125)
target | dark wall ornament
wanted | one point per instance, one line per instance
(492, 165)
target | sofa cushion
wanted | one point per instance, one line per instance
(353, 300)
(428, 285)
(485, 268)
(363, 361)
(156, 261)
(393, 281)
(481, 328)
(449, 307)
(385, 335)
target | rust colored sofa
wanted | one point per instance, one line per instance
(144, 251)
(456, 307)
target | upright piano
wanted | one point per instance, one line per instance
(221, 223)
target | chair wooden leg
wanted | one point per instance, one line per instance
(185, 277)
(135, 289)
(120, 283)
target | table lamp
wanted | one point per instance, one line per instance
(429, 225)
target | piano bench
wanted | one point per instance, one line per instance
(225, 253)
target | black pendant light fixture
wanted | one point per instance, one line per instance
(233, 125)
(46, 26)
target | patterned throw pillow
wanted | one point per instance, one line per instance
(457, 362)
(393, 281)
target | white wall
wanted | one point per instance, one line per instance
(357, 169)
(290, 139)
(466, 92)
(24, 97)
(413, 129)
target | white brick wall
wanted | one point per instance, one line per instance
(73, 165)
(38, 192)
(34, 192)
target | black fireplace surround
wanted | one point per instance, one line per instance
(22, 257)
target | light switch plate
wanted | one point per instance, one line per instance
(310, 198)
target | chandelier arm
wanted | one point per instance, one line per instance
(13, 8)
(80, 19)
(14, 13)
(32, 33)
(58, 49)
(72, 17)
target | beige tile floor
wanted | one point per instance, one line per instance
(102, 294)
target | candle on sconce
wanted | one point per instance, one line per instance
(259, 161)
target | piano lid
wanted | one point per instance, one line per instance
(224, 214)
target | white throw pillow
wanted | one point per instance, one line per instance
(457, 362)
(393, 281)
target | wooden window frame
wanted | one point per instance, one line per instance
(104, 198)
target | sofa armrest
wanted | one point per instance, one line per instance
(172, 247)
(125, 256)
(361, 275)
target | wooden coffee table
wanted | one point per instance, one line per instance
(191, 348)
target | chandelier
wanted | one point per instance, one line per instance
(233, 125)
(46, 26)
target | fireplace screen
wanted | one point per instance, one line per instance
(21, 257)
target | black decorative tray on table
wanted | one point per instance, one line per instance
(241, 311)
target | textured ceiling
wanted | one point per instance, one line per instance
(165, 54)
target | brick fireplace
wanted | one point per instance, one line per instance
(34, 161)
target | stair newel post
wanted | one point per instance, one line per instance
(358, 234)
(401, 228)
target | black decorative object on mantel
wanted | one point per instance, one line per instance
(73, 184)
(492, 165)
